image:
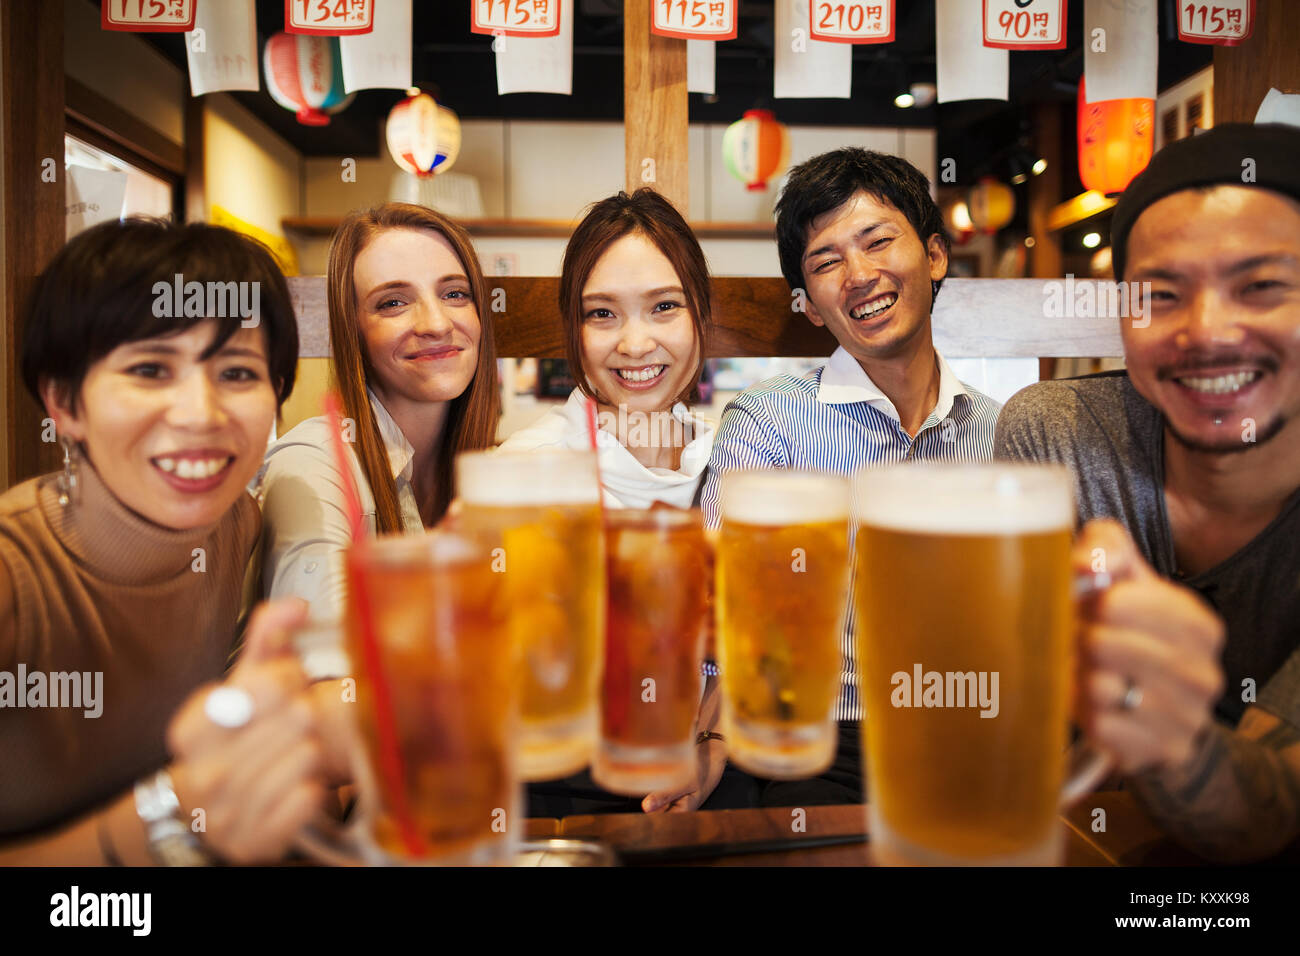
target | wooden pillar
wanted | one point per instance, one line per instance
(1270, 58)
(1044, 194)
(654, 108)
(31, 129)
(196, 200)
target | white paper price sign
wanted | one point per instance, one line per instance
(694, 19)
(516, 18)
(1225, 23)
(147, 16)
(862, 21)
(1025, 24)
(331, 18)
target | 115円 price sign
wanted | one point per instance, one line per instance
(147, 16)
(1025, 24)
(516, 18)
(333, 18)
(862, 21)
(1225, 23)
(694, 19)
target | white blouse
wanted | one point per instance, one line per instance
(305, 521)
(627, 482)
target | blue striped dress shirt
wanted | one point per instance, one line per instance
(836, 419)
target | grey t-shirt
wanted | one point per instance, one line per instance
(1113, 438)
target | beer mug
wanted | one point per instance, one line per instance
(964, 612)
(544, 509)
(782, 564)
(658, 608)
(429, 671)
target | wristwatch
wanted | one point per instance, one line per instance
(170, 841)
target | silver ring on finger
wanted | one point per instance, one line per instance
(1132, 697)
(229, 707)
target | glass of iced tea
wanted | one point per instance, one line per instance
(544, 510)
(782, 569)
(427, 635)
(658, 608)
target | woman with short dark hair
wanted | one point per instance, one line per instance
(161, 353)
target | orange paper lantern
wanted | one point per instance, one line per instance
(992, 205)
(1116, 138)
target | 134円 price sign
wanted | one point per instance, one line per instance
(516, 18)
(333, 18)
(858, 22)
(1025, 24)
(1225, 23)
(147, 16)
(694, 19)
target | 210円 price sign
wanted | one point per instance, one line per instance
(1025, 24)
(516, 18)
(862, 21)
(694, 19)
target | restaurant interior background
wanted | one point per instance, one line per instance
(529, 163)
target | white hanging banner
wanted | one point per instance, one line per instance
(516, 18)
(536, 64)
(860, 22)
(805, 67)
(1224, 23)
(700, 60)
(966, 69)
(330, 18)
(222, 47)
(694, 19)
(93, 196)
(380, 59)
(147, 16)
(1025, 24)
(1120, 50)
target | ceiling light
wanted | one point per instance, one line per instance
(1092, 240)
(1040, 165)
(904, 100)
(1018, 178)
(923, 94)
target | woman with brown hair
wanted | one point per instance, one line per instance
(636, 309)
(414, 363)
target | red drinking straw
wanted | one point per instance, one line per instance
(390, 751)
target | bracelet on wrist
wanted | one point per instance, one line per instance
(706, 735)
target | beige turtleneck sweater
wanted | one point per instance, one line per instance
(93, 587)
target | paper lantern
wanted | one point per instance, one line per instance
(992, 205)
(305, 74)
(956, 216)
(423, 136)
(1116, 138)
(756, 148)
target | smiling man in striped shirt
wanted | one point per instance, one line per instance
(863, 248)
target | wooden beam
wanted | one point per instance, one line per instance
(1045, 256)
(1270, 58)
(196, 194)
(1076, 210)
(654, 108)
(973, 318)
(32, 118)
(143, 144)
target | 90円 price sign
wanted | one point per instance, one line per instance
(516, 18)
(1225, 23)
(147, 16)
(1025, 24)
(862, 21)
(335, 18)
(694, 19)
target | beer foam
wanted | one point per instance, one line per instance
(969, 499)
(783, 496)
(509, 479)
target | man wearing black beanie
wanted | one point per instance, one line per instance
(1187, 471)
